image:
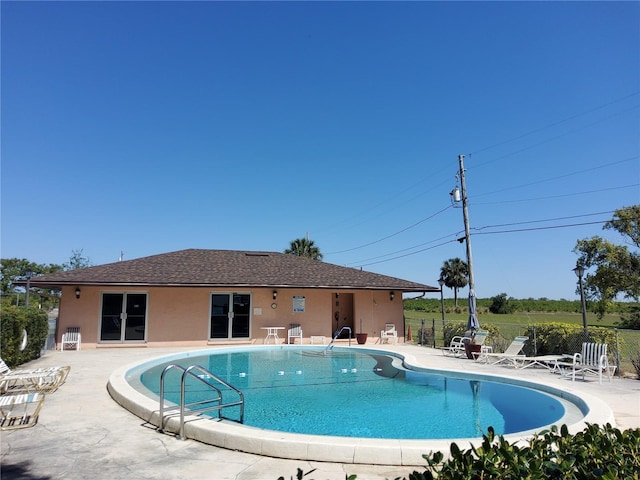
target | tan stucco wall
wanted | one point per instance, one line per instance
(180, 315)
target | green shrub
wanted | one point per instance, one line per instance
(13, 322)
(563, 338)
(503, 305)
(595, 453)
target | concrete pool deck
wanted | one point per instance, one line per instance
(83, 432)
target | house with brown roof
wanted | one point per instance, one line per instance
(206, 297)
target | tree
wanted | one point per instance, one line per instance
(501, 304)
(455, 273)
(617, 268)
(12, 269)
(303, 247)
(77, 261)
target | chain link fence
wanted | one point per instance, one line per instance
(623, 346)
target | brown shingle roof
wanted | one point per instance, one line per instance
(225, 268)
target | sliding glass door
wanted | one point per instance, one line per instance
(230, 316)
(124, 317)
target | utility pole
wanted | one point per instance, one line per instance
(465, 213)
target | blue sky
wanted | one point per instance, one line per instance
(144, 128)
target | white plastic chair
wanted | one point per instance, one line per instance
(295, 331)
(389, 333)
(456, 346)
(592, 360)
(71, 338)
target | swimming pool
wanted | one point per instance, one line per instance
(346, 392)
(126, 388)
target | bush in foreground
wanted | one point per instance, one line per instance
(595, 453)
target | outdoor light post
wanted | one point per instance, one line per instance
(579, 271)
(441, 283)
(28, 274)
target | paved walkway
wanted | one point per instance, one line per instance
(83, 433)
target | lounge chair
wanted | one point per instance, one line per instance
(456, 346)
(295, 331)
(511, 356)
(389, 333)
(20, 411)
(71, 338)
(591, 360)
(546, 361)
(41, 380)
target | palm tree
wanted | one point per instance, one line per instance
(303, 247)
(455, 273)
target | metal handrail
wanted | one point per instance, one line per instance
(335, 336)
(189, 371)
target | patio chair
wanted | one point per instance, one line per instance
(389, 333)
(295, 331)
(71, 338)
(592, 360)
(456, 346)
(511, 356)
(20, 411)
(25, 380)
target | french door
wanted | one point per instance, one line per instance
(124, 317)
(230, 315)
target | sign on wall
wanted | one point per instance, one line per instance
(298, 304)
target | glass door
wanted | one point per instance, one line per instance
(230, 315)
(124, 317)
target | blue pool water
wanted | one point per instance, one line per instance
(354, 394)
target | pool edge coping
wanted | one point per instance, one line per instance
(271, 443)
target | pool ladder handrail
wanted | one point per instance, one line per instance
(335, 336)
(189, 372)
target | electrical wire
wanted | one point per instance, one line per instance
(393, 234)
(635, 157)
(546, 220)
(559, 196)
(554, 124)
(484, 233)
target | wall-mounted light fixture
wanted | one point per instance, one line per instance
(391, 295)
(337, 294)
(77, 292)
(275, 294)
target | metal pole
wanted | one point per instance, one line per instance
(26, 297)
(442, 303)
(465, 213)
(584, 308)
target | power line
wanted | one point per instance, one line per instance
(560, 196)
(393, 234)
(558, 177)
(486, 233)
(554, 124)
(408, 254)
(541, 228)
(359, 262)
(546, 220)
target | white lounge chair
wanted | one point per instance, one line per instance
(41, 380)
(20, 411)
(510, 356)
(71, 338)
(545, 361)
(389, 333)
(295, 331)
(591, 360)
